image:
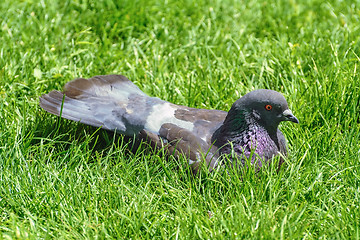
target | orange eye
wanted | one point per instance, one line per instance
(268, 107)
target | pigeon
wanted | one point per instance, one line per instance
(248, 131)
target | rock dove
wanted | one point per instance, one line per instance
(113, 102)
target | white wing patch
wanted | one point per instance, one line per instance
(164, 113)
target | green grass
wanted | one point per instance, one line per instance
(60, 179)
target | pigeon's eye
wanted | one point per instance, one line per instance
(268, 107)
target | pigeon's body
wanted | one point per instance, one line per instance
(115, 103)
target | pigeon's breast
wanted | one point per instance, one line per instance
(254, 142)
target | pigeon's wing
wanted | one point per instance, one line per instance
(113, 102)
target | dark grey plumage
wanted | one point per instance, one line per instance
(252, 123)
(115, 103)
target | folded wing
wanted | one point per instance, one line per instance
(115, 103)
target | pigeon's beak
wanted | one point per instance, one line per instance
(288, 116)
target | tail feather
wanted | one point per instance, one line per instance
(55, 103)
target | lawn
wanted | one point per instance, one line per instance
(63, 180)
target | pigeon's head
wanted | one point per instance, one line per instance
(267, 107)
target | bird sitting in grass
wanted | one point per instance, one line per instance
(113, 102)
